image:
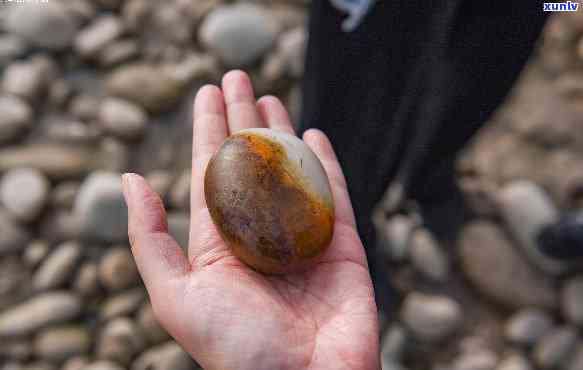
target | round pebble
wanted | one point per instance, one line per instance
(117, 269)
(239, 34)
(24, 192)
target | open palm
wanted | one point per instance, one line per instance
(228, 316)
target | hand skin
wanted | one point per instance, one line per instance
(228, 316)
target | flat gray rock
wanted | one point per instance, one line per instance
(61, 342)
(58, 268)
(55, 161)
(500, 272)
(40, 311)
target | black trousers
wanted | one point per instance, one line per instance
(401, 95)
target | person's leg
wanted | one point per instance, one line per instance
(487, 49)
(387, 93)
(353, 86)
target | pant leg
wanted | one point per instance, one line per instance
(353, 87)
(407, 89)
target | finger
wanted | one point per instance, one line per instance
(240, 100)
(274, 114)
(158, 257)
(320, 144)
(209, 132)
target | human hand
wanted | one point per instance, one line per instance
(228, 316)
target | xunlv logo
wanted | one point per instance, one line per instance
(561, 7)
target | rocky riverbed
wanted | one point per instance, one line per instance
(92, 88)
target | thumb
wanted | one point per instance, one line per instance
(158, 257)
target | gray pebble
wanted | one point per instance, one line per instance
(555, 347)
(35, 252)
(68, 131)
(431, 317)
(84, 107)
(62, 342)
(25, 79)
(396, 236)
(116, 155)
(16, 349)
(146, 85)
(119, 52)
(119, 341)
(292, 45)
(122, 118)
(97, 35)
(55, 161)
(180, 192)
(64, 194)
(58, 268)
(13, 238)
(239, 34)
(500, 272)
(160, 181)
(576, 360)
(179, 228)
(393, 345)
(476, 360)
(47, 25)
(427, 256)
(526, 208)
(117, 270)
(11, 47)
(527, 326)
(24, 192)
(150, 326)
(75, 363)
(103, 365)
(514, 361)
(165, 356)
(125, 303)
(15, 118)
(40, 365)
(87, 281)
(572, 300)
(40, 311)
(100, 207)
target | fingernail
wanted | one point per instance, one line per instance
(127, 182)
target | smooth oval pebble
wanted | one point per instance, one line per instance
(270, 199)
